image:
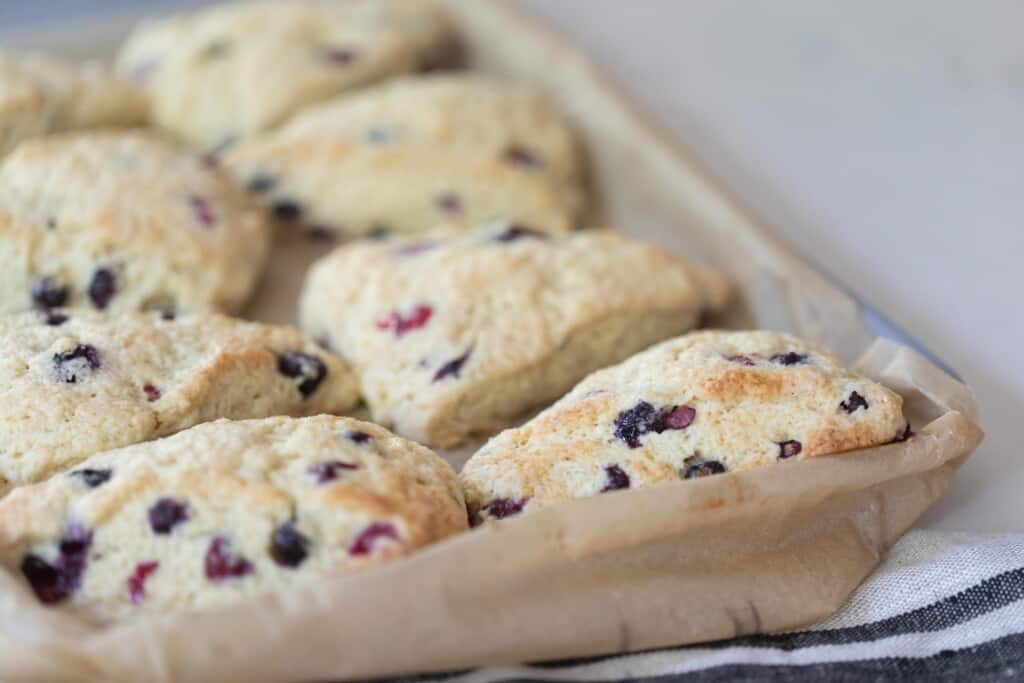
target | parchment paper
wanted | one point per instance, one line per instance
(705, 559)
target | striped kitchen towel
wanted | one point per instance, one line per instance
(941, 607)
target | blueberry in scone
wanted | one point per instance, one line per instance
(78, 382)
(459, 112)
(406, 155)
(696, 406)
(124, 222)
(218, 75)
(41, 95)
(223, 511)
(458, 333)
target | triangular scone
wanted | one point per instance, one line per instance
(702, 404)
(41, 95)
(124, 222)
(352, 190)
(404, 155)
(461, 112)
(220, 74)
(226, 510)
(461, 333)
(74, 383)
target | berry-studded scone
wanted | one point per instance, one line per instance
(224, 511)
(462, 332)
(123, 222)
(220, 74)
(75, 383)
(407, 155)
(702, 404)
(40, 95)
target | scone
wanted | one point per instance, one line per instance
(460, 333)
(40, 95)
(406, 155)
(224, 511)
(223, 73)
(124, 222)
(75, 383)
(702, 404)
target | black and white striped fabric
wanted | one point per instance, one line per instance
(942, 607)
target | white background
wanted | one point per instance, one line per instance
(884, 139)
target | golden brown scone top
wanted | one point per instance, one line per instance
(77, 383)
(226, 510)
(701, 404)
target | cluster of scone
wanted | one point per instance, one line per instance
(157, 454)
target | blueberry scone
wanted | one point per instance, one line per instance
(406, 155)
(74, 383)
(461, 332)
(40, 95)
(122, 222)
(220, 74)
(702, 404)
(224, 511)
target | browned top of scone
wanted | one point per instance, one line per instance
(162, 225)
(226, 510)
(76, 382)
(705, 403)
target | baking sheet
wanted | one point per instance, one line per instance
(744, 552)
(739, 553)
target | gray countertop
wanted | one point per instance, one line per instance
(884, 140)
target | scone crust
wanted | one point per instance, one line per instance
(354, 190)
(460, 333)
(212, 81)
(236, 484)
(405, 154)
(705, 403)
(477, 114)
(171, 232)
(94, 382)
(40, 95)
